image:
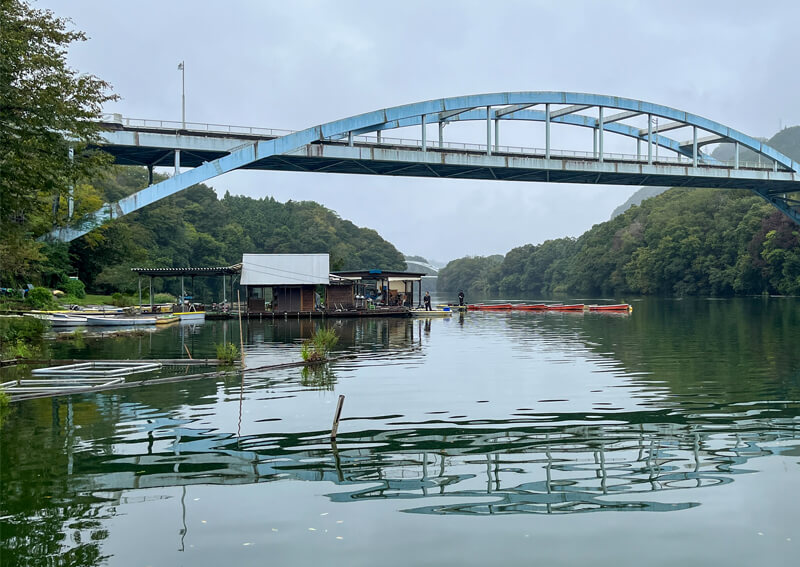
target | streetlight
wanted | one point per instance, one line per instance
(183, 94)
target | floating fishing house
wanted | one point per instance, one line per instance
(384, 288)
(301, 284)
(284, 283)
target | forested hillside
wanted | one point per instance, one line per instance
(195, 228)
(680, 242)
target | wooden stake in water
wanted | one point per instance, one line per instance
(336, 417)
(241, 340)
(187, 351)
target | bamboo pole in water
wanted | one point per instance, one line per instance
(241, 339)
(336, 417)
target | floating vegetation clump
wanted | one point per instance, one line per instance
(227, 353)
(319, 346)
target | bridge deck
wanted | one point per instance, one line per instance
(156, 147)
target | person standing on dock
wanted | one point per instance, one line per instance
(427, 301)
(461, 297)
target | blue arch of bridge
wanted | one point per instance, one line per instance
(411, 115)
(439, 110)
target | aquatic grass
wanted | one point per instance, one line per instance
(319, 346)
(227, 353)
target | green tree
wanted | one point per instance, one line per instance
(43, 103)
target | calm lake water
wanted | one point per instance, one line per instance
(670, 436)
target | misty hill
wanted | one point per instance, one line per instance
(787, 141)
(417, 268)
(637, 198)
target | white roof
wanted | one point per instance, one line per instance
(285, 269)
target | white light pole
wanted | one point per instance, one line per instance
(183, 94)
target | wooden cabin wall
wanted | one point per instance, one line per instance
(340, 296)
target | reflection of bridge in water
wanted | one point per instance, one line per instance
(569, 463)
(357, 145)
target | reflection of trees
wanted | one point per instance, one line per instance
(46, 520)
(705, 352)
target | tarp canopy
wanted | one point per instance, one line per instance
(285, 269)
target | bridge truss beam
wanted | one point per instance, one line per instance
(560, 108)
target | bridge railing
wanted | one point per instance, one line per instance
(435, 145)
(416, 144)
(146, 123)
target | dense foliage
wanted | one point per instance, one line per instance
(196, 228)
(676, 242)
(20, 337)
(43, 103)
(473, 274)
(682, 242)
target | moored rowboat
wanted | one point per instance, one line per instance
(431, 313)
(192, 315)
(576, 307)
(60, 320)
(618, 307)
(494, 307)
(118, 321)
(529, 307)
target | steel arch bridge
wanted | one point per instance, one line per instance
(357, 145)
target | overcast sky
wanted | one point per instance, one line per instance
(295, 64)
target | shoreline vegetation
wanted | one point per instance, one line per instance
(698, 242)
(668, 242)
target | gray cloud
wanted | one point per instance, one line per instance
(296, 64)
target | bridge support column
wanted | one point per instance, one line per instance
(177, 162)
(488, 130)
(379, 136)
(650, 139)
(547, 131)
(424, 134)
(694, 146)
(149, 175)
(736, 156)
(600, 133)
(350, 138)
(594, 143)
(441, 134)
(497, 134)
(638, 149)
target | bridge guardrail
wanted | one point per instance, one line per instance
(195, 126)
(433, 145)
(557, 153)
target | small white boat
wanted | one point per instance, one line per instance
(59, 319)
(431, 313)
(119, 321)
(65, 320)
(192, 315)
